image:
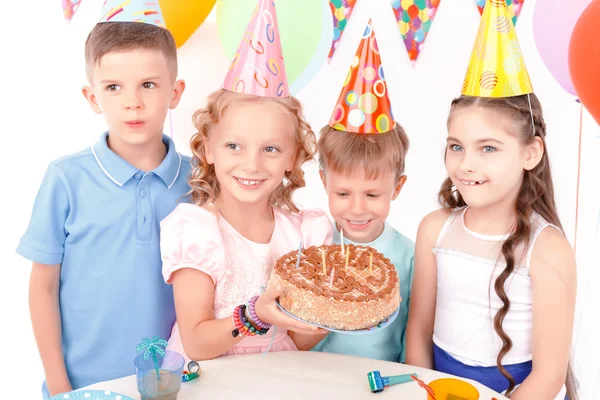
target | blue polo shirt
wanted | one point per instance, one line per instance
(389, 343)
(99, 217)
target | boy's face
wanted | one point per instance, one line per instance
(133, 89)
(360, 205)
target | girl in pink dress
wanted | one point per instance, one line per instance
(218, 251)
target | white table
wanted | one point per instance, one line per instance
(294, 375)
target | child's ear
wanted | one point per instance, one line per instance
(177, 92)
(534, 153)
(322, 175)
(90, 96)
(399, 183)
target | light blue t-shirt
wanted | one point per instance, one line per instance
(99, 217)
(389, 343)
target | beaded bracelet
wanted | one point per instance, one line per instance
(242, 325)
(248, 324)
(249, 319)
(252, 311)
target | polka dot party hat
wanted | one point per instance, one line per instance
(147, 11)
(497, 68)
(257, 67)
(363, 105)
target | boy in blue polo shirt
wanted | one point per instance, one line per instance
(362, 155)
(96, 287)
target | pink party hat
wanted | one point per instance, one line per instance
(258, 66)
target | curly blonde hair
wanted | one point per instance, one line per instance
(205, 187)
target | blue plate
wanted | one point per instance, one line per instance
(91, 395)
(377, 328)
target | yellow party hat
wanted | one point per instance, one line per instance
(497, 68)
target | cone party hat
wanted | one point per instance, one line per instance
(363, 105)
(145, 11)
(497, 68)
(258, 66)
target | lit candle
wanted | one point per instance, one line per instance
(299, 255)
(331, 277)
(347, 258)
(342, 235)
(324, 265)
(371, 263)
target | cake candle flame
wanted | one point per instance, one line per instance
(299, 255)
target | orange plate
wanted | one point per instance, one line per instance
(446, 386)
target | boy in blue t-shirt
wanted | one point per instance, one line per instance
(362, 158)
(359, 202)
(96, 287)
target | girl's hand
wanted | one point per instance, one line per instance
(267, 311)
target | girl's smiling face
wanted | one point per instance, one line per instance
(485, 160)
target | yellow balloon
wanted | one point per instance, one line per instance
(183, 17)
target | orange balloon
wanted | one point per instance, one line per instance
(183, 17)
(584, 59)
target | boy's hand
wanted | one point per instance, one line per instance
(44, 286)
(267, 311)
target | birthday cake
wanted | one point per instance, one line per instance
(351, 290)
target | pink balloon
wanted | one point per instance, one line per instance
(553, 23)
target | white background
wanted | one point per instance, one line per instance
(44, 116)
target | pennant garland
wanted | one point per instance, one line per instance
(414, 19)
(341, 11)
(70, 8)
(513, 5)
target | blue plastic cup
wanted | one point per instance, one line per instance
(165, 385)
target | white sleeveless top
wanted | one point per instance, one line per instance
(468, 264)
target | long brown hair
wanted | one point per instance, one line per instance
(203, 179)
(536, 194)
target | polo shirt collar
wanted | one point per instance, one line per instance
(120, 171)
(170, 167)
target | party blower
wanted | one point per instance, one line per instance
(377, 382)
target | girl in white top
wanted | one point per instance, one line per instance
(493, 295)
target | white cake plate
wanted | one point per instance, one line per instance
(377, 328)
